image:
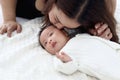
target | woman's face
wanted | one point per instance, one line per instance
(60, 20)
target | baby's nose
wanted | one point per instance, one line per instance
(50, 41)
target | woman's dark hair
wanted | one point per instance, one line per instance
(86, 12)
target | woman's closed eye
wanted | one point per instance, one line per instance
(56, 20)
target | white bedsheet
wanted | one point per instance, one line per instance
(21, 57)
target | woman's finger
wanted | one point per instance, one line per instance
(106, 34)
(19, 28)
(9, 33)
(101, 29)
(3, 29)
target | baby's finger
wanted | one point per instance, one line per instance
(58, 55)
(63, 53)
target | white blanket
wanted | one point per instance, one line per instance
(21, 57)
(91, 55)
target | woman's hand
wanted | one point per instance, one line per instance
(102, 30)
(63, 57)
(10, 26)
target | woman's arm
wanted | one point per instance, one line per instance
(8, 10)
(111, 4)
(9, 17)
(39, 4)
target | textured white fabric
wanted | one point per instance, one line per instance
(117, 11)
(22, 58)
(92, 55)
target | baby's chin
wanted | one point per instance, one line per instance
(52, 52)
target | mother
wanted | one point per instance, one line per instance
(83, 14)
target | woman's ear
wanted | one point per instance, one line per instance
(39, 4)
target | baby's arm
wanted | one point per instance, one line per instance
(65, 64)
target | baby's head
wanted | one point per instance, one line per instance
(52, 39)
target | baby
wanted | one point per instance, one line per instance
(88, 54)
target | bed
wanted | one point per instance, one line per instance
(22, 58)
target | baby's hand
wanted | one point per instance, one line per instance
(10, 26)
(63, 57)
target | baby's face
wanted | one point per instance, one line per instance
(53, 39)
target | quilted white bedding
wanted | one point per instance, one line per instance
(21, 57)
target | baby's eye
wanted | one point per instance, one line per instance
(51, 34)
